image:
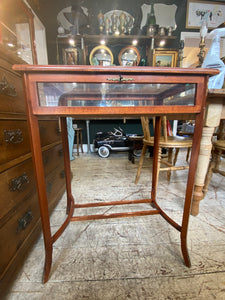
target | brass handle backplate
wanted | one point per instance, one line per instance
(18, 183)
(120, 78)
(13, 136)
(6, 88)
(25, 220)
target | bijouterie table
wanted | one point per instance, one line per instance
(110, 92)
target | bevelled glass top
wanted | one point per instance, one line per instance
(114, 95)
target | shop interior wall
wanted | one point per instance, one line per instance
(48, 11)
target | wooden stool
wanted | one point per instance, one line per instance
(79, 139)
(218, 152)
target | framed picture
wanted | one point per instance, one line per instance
(70, 56)
(165, 58)
(211, 12)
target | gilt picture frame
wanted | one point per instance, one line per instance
(165, 58)
(70, 56)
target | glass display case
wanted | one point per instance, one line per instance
(17, 29)
(108, 92)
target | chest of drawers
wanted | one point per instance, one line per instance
(19, 212)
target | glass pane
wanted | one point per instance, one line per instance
(15, 29)
(114, 94)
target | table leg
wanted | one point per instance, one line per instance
(202, 168)
(156, 157)
(190, 185)
(41, 190)
(65, 143)
(212, 120)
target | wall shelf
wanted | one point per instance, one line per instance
(86, 42)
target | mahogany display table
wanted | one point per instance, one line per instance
(110, 92)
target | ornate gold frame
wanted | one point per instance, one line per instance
(129, 48)
(170, 55)
(98, 48)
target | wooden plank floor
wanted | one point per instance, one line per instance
(130, 258)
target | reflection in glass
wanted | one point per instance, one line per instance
(114, 95)
(16, 24)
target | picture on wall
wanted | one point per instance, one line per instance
(165, 58)
(70, 56)
(199, 11)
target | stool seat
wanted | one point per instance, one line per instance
(79, 139)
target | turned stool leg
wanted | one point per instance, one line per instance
(188, 154)
(213, 166)
(175, 156)
(77, 133)
(159, 163)
(170, 158)
(140, 163)
(79, 140)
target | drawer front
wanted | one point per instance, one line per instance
(16, 230)
(16, 184)
(14, 137)
(11, 93)
(52, 158)
(54, 184)
(49, 131)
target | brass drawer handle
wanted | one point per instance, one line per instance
(62, 174)
(120, 78)
(25, 220)
(18, 183)
(13, 136)
(6, 88)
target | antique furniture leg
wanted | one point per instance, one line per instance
(175, 156)
(141, 163)
(70, 199)
(212, 120)
(170, 158)
(190, 186)
(156, 157)
(215, 160)
(41, 190)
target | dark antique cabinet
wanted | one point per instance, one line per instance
(19, 212)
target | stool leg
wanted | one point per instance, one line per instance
(78, 143)
(175, 156)
(188, 154)
(81, 141)
(212, 166)
(170, 158)
(158, 168)
(140, 163)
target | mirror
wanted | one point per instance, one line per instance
(164, 14)
(101, 56)
(129, 56)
